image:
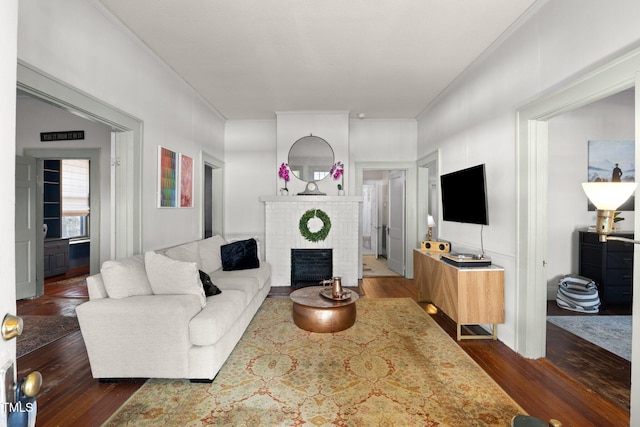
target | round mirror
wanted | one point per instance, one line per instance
(310, 158)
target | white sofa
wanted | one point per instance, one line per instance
(147, 318)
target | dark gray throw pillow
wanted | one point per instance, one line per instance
(209, 288)
(240, 255)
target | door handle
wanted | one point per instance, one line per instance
(11, 326)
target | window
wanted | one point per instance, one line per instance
(75, 198)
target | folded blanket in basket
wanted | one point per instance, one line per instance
(578, 293)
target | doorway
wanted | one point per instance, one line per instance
(382, 223)
(532, 139)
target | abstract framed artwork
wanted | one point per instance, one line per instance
(186, 181)
(167, 177)
(611, 161)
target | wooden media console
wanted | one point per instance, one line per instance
(468, 295)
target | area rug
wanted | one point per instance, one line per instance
(39, 331)
(613, 333)
(72, 281)
(394, 367)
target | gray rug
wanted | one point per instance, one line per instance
(613, 333)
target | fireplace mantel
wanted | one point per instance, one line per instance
(282, 217)
(315, 199)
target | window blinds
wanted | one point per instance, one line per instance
(75, 187)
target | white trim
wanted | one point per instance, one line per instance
(430, 161)
(128, 205)
(532, 143)
(218, 193)
(93, 154)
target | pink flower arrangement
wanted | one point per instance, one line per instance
(337, 171)
(284, 173)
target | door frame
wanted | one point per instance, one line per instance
(93, 155)
(531, 152)
(426, 166)
(218, 193)
(410, 226)
(128, 229)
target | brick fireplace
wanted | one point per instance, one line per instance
(282, 216)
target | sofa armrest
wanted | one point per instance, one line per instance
(138, 337)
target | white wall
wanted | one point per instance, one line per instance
(610, 119)
(251, 164)
(8, 44)
(33, 117)
(79, 43)
(250, 168)
(473, 121)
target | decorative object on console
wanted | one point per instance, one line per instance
(284, 174)
(607, 197)
(433, 246)
(322, 232)
(430, 224)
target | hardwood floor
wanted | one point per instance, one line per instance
(71, 397)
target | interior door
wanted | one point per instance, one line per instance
(369, 220)
(25, 224)
(375, 227)
(395, 229)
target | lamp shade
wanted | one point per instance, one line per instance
(608, 196)
(430, 221)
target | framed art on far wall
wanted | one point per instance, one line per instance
(186, 181)
(167, 178)
(611, 161)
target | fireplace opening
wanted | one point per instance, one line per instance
(310, 266)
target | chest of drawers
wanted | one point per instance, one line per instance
(610, 264)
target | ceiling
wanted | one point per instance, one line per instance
(380, 58)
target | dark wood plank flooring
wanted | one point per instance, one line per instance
(71, 397)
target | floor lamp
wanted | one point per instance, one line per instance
(607, 197)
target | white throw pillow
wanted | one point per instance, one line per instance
(210, 259)
(172, 277)
(125, 277)
(187, 253)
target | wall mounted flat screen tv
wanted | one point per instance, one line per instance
(464, 196)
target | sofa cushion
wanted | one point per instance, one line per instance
(240, 255)
(210, 253)
(209, 288)
(260, 275)
(125, 277)
(220, 313)
(95, 287)
(172, 277)
(188, 253)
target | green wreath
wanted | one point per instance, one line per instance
(304, 225)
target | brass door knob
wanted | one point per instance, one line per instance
(11, 326)
(32, 383)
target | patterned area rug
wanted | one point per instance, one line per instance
(613, 333)
(39, 331)
(394, 367)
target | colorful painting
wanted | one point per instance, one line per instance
(612, 161)
(186, 181)
(167, 168)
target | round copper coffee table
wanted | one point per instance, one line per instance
(315, 313)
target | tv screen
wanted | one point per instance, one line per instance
(464, 196)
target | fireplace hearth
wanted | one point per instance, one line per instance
(310, 266)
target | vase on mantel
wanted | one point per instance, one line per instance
(284, 191)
